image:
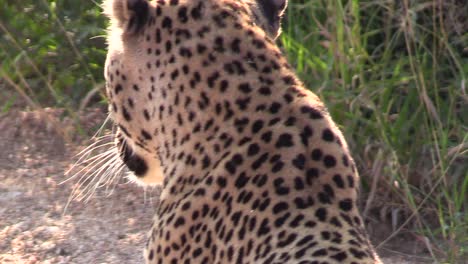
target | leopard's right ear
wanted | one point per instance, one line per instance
(129, 15)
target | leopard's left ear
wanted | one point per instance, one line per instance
(129, 15)
(273, 9)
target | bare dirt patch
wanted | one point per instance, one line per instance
(110, 228)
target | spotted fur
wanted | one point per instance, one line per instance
(253, 168)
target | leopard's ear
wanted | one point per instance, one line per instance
(273, 9)
(129, 15)
(272, 12)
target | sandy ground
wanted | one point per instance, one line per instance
(37, 226)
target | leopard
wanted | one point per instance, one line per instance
(252, 167)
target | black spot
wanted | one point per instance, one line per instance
(212, 78)
(158, 37)
(324, 198)
(257, 126)
(289, 80)
(234, 68)
(118, 88)
(253, 149)
(174, 74)
(274, 121)
(220, 18)
(241, 181)
(236, 217)
(259, 44)
(299, 161)
(321, 214)
(345, 160)
(146, 135)
(166, 23)
(339, 256)
(280, 188)
(223, 86)
(316, 154)
(264, 228)
(357, 253)
(259, 162)
(328, 192)
(290, 121)
(305, 135)
(206, 162)
(346, 205)
(235, 45)
(240, 124)
(320, 253)
(306, 240)
(185, 52)
(219, 44)
(339, 181)
(233, 163)
(266, 137)
(328, 135)
(197, 252)
(288, 98)
(201, 48)
(221, 181)
(287, 241)
(275, 107)
(131, 103)
(334, 221)
(298, 183)
(126, 114)
(197, 11)
(284, 140)
(312, 112)
(200, 192)
(280, 207)
(311, 175)
(179, 222)
(329, 161)
(245, 88)
(182, 14)
(243, 103)
(168, 46)
(296, 221)
(186, 206)
(282, 219)
(350, 181)
(264, 90)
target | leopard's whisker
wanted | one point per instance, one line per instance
(101, 128)
(111, 168)
(112, 183)
(109, 155)
(95, 176)
(113, 173)
(91, 163)
(95, 142)
(85, 153)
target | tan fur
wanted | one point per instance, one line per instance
(205, 100)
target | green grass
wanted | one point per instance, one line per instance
(51, 50)
(393, 74)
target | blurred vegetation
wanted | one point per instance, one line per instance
(54, 50)
(393, 74)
